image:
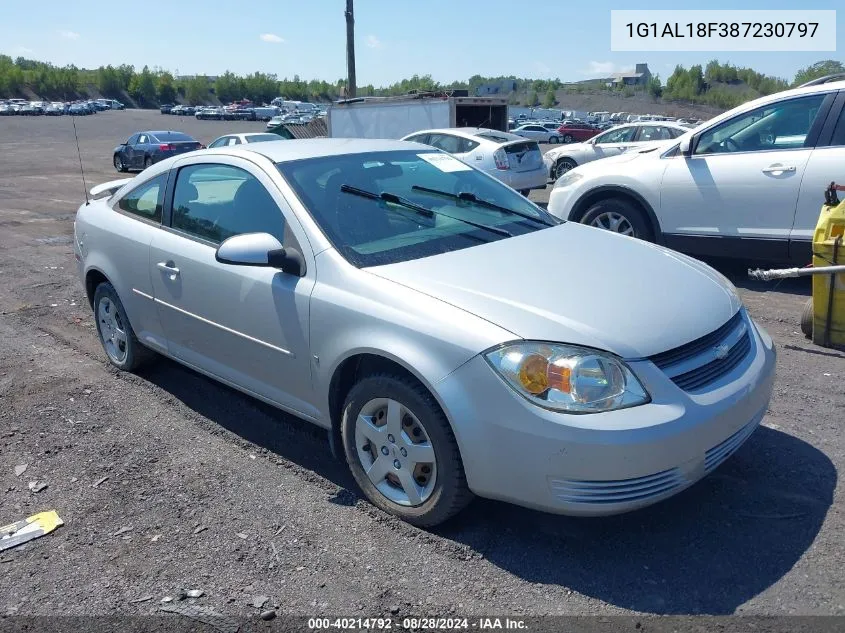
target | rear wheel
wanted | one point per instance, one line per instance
(567, 138)
(148, 162)
(564, 165)
(118, 163)
(115, 333)
(619, 216)
(553, 140)
(401, 450)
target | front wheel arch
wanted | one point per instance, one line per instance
(352, 369)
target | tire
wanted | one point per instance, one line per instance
(564, 165)
(148, 162)
(567, 138)
(553, 140)
(807, 319)
(621, 214)
(445, 491)
(116, 335)
(525, 192)
(118, 164)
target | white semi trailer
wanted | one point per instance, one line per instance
(395, 117)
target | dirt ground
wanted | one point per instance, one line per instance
(167, 481)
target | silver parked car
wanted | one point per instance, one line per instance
(512, 159)
(413, 306)
(610, 143)
(538, 132)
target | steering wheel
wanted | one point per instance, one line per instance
(731, 145)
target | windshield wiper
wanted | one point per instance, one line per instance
(471, 197)
(407, 204)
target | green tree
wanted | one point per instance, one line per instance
(654, 87)
(551, 100)
(819, 69)
(165, 88)
(196, 90)
(229, 87)
(533, 99)
(142, 87)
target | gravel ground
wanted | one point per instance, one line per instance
(168, 481)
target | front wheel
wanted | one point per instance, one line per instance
(618, 216)
(553, 140)
(118, 163)
(567, 138)
(563, 166)
(401, 450)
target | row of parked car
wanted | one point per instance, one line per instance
(274, 115)
(22, 107)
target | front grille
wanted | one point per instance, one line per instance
(715, 369)
(674, 356)
(617, 490)
(696, 365)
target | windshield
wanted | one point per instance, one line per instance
(370, 232)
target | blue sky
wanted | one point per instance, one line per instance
(394, 38)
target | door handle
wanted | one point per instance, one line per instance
(778, 169)
(168, 267)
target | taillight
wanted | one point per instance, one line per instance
(501, 159)
(165, 147)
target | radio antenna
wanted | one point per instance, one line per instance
(79, 155)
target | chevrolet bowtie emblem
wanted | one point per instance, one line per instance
(721, 351)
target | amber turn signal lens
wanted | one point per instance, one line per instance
(533, 374)
(559, 377)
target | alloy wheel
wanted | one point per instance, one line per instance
(112, 330)
(615, 222)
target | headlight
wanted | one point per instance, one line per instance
(567, 378)
(569, 178)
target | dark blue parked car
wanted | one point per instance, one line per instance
(145, 148)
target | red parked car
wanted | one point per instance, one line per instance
(577, 132)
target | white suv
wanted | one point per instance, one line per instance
(748, 183)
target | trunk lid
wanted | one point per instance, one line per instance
(523, 155)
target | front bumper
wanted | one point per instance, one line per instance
(561, 200)
(604, 463)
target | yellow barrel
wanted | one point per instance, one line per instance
(830, 226)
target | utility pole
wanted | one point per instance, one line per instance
(350, 50)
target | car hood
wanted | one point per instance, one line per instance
(579, 285)
(568, 148)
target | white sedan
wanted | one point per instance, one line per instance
(537, 132)
(512, 159)
(242, 139)
(611, 143)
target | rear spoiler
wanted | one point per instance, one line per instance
(108, 188)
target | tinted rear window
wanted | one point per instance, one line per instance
(257, 138)
(172, 136)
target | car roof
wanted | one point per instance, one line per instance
(471, 133)
(297, 149)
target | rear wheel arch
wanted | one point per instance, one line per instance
(604, 193)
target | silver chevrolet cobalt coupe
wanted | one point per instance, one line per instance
(452, 337)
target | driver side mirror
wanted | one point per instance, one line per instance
(686, 146)
(260, 249)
